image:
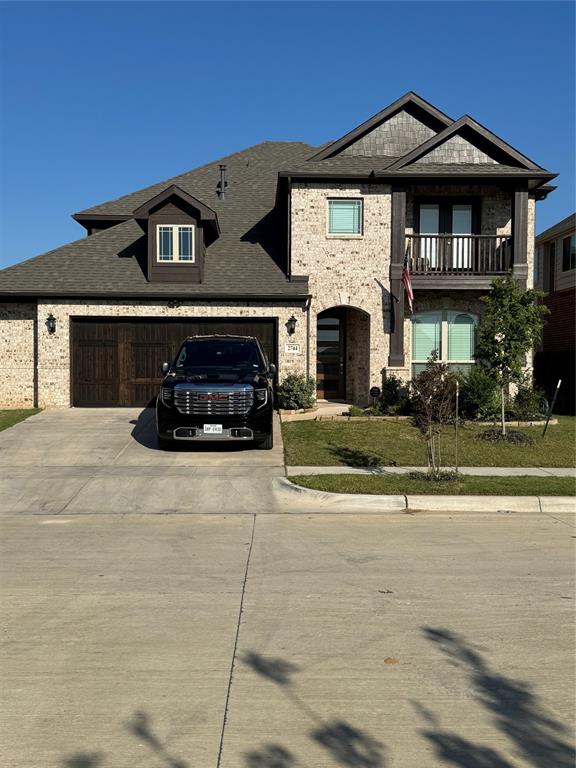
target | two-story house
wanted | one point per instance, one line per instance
(555, 274)
(299, 245)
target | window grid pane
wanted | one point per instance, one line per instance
(165, 244)
(185, 243)
(345, 217)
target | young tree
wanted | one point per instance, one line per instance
(510, 327)
(434, 392)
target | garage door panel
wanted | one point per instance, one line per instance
(118, 362)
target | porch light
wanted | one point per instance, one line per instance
(291, 325)
(51, 324)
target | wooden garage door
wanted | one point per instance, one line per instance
(117, 362)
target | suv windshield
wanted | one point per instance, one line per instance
(220, 353)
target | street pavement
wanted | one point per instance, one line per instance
(260, 639)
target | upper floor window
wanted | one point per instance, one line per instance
(175, 243)
(451, 334)
(345, 217)
(569, 253)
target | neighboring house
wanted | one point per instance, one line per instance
(555, 274)
(302, 246)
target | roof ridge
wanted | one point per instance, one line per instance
(172, 179)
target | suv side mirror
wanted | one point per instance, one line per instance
(272, 369)
(165, 367)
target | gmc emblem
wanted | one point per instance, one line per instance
(213, 396)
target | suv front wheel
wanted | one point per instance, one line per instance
(267, 443)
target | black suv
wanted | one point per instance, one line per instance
(217, 388)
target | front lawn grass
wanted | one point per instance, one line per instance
(10, 417)
(398, 443)
(474, 486)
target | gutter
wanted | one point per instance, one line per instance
(9, 296)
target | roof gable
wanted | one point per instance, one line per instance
(403, 125)
(203, 211)
(465, 142)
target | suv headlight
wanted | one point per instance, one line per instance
(261, 396)
(166, 395)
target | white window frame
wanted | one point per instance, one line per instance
(445, 317)
(344, 235)
(176, 258)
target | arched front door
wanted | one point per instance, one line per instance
(331, 354)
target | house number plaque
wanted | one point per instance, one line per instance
(293, 348)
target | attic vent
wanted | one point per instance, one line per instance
(222, 184)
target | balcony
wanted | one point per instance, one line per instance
(458, 261)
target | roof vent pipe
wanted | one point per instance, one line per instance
(222, 184)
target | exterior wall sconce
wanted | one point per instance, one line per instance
(51, 324)
(291, 325)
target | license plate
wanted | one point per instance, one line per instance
(212, 429)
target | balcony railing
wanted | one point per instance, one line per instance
(459, 254)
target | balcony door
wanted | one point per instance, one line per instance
(445, 229)
(461, 246)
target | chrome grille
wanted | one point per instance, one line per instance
(214, 402)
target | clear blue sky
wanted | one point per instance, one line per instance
(100, 99)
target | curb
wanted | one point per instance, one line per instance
(342, 501)
(525, 504)
(420, 503)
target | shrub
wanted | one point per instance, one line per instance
(297, 391)
(441, 477)
(510, 436)
(355, 410)
(434, 404)
(395, 397)
(479, 395)
(528, 403)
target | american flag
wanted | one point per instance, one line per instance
(407, 280)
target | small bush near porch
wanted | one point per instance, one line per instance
(9, 417)
(398, 443)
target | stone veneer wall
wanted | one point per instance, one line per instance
(54, 350)
(347, 271)
(17, 332)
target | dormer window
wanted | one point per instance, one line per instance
(175, 243)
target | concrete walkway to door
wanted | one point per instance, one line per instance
(106, 460)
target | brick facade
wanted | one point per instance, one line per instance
(347, 271)
(17, 348)
(53, 377)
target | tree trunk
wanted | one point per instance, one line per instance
(503, 414)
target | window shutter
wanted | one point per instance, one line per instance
(345, 217)
(461, 332)
(425, 335)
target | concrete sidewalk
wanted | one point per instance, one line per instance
(477, 471)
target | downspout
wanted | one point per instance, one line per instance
(289, 227)
(308, 304)
(35, 359)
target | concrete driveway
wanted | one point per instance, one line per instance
(106, 461)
